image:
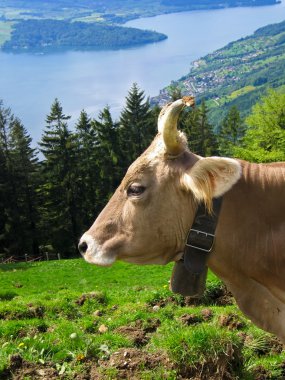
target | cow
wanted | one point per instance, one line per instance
(147, 219)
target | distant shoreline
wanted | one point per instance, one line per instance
(27, 35)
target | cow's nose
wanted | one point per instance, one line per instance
(82, 246)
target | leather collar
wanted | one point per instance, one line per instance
(201, 237)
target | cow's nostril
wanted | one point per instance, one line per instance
(82, 247)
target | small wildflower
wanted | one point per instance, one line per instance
(80, 357)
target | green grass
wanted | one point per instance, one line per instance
(51, 314)
(241, 91)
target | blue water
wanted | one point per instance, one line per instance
(90, 80)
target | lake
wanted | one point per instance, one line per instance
(91, 80)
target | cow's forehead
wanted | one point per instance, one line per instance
(140, 168)
(155, 161)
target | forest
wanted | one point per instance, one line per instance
(53, 34)
(47, 200)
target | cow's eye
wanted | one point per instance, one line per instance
(135, 190)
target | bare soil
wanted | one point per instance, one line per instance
(139, 333)
(128, 363)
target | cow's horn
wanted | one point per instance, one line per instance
(167, 124)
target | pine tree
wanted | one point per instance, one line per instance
(174, 92)
(10, 215)
(199, 131)
(26, 174)
(137, 127)
(59, 190)
(107, 149)
(88, 171)
(231, 132)
(18, 186)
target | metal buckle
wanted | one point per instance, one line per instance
(207, 235)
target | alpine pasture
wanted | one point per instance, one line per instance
(69, 320)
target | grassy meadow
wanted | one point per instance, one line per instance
(70, 320)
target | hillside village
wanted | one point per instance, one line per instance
(240, 68)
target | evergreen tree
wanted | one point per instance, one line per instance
(3, 201)
(26, 176)
(10, 214)
(137, 127)
(60, 214)
(175, 92)
(231, 132)
(199, 131)
(88, 171)
(18, 185)
(264, 140)
(107, 149)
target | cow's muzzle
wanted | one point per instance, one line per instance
(94, 253)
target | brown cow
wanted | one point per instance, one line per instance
(148, 218)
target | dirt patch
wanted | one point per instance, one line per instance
(277, 347)
(207, 314)
(30, 312)
(231, 321)
(98, 296)
(162, 302)
(149, 326)
(128, 364)
(137, 336)
(190, 319)
(260, 373)
(264, 345)
(131, 363)
(219, 296)
(19, 369)
(138, 333)
(223, 367)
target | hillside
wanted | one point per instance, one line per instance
(238, 73)
(45, 35)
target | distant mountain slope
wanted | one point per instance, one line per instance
(238, 73)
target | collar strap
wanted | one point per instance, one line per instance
(201, 237)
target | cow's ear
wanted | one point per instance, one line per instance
(211, 177)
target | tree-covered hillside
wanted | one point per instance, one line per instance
(51, 34)
(237, 74)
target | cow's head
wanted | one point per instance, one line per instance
(147, 219)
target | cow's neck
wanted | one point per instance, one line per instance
(252, 213)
